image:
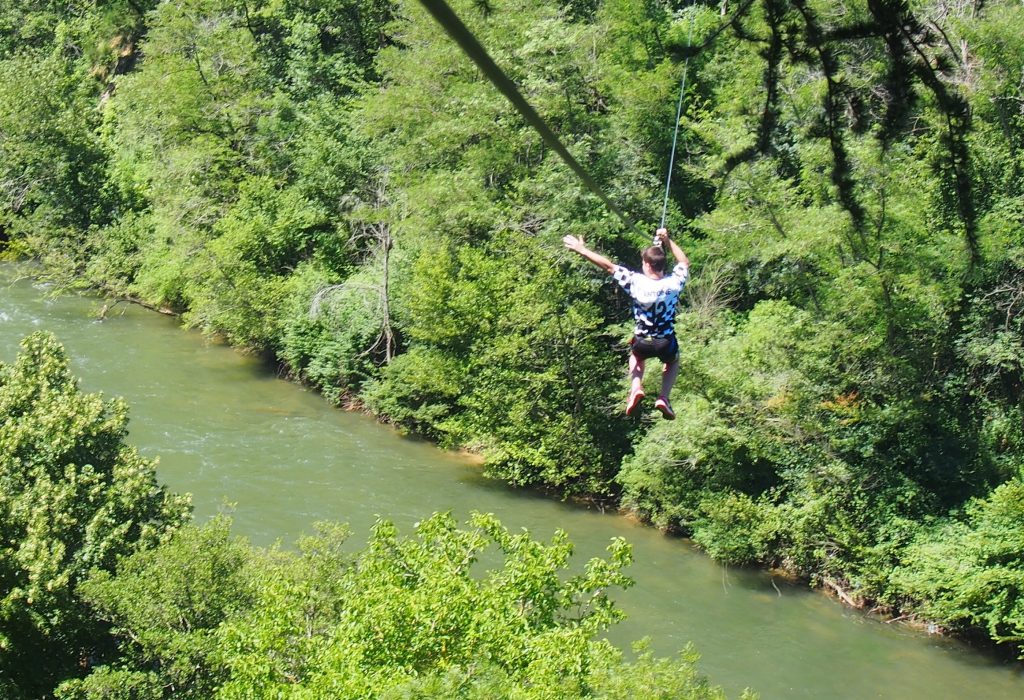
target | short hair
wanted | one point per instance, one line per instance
(655, 257)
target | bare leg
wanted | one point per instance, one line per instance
(668, 377)
(636, 384)
(636, 373)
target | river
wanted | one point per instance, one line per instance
(230, 432)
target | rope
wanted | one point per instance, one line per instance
(472, 48)
(679, 115)
(458, 31)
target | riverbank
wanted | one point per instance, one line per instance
(836, 588)
(226, 430)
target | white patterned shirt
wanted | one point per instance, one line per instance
(654, 301)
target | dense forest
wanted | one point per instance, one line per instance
(334, 185)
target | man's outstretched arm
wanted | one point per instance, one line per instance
(577, 244)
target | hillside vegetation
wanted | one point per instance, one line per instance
(334, 185)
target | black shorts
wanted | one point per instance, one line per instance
(665, 349)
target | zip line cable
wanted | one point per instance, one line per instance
(464, 38)
(679, 115)
(458, 31)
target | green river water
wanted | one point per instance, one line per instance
(227, 430)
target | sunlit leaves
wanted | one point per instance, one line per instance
(73, 497)
(475, 609)
(970, 572)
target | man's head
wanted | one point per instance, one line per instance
(654, 258)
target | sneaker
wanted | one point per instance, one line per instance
(663, 405)
(635, 397)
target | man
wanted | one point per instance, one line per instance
(655, 297)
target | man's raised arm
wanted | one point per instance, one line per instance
(677, 252)
(577, 244)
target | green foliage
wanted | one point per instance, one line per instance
(742, 419)
(245, 266)
(735, 529)
(236, 171)
(469, 612)
(515, 359)
(335, 185)
(73, 498)
(418, 390)
(407, 607)
(969, 572)
(166, 604)
(114, 684)
(330, 331)
(116, 253)
(763, 464)
(50, 161)
(656, 678)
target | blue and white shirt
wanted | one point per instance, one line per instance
(654, 301)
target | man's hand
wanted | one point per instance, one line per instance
(577, 244)
(665, 242)
(573, 243)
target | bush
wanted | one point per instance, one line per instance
(735, 529)
(332, 333)
(969, 572)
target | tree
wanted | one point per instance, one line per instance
(447, 612)
(164, 605)
(74, 497)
